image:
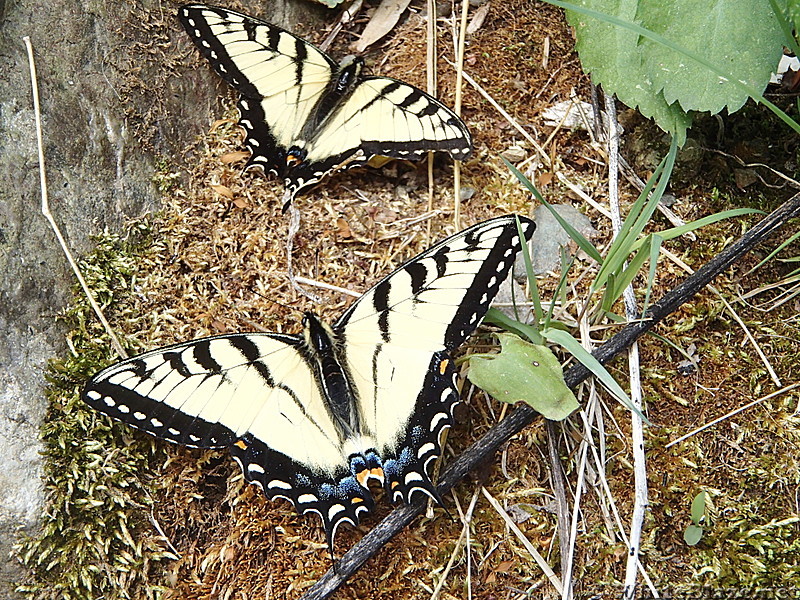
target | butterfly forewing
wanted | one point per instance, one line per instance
(283, 74)
(428, 305)
(257, 384)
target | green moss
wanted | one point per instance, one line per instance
(94, 540)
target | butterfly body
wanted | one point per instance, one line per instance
(306, 116)
(315, 417)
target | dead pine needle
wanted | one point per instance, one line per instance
(732, 413)
(46, 206)
(525, 541)
(294, 227)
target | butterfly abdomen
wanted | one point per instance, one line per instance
(334, 382)
(339, 88)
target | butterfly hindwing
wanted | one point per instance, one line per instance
(383, 117)
(304, 116)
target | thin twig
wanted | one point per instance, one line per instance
(294, 227)
(440, 584)
(542, 153)
(569, 562)
(732, 413)
(466, 520)
(49, 216)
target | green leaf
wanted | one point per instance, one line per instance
(740, 37)
(699, 508)
(524, 372)
(668, 58)
(612, 55)
(692, 534)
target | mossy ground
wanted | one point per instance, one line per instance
(130, 517)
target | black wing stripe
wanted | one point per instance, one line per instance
(419, 276)
(202, 355)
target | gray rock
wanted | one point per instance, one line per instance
(120, 85)
(550, 237)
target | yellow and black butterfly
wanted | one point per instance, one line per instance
(306, 116)
(314, 417)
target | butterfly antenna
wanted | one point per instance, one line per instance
(294, 227)
(273, 301)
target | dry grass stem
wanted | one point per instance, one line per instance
(637, 427)
(46, 206)
(451, 561)
(733, 413)
(466, 520)
(431, 73)
(554, 579)
(543, 155)
(459, 42)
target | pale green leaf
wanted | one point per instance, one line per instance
(698, 508)
(524, 372)
(693, 534)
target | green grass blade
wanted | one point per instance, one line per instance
(573, 233)
(523, 330)
(772, 254)
(623, 244)
(571, 345)
(674, 232)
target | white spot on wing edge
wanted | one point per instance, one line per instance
(425, 448)
(277, 483)
(94, 395)
(413, 476)
(334, 510)
(307, 499)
